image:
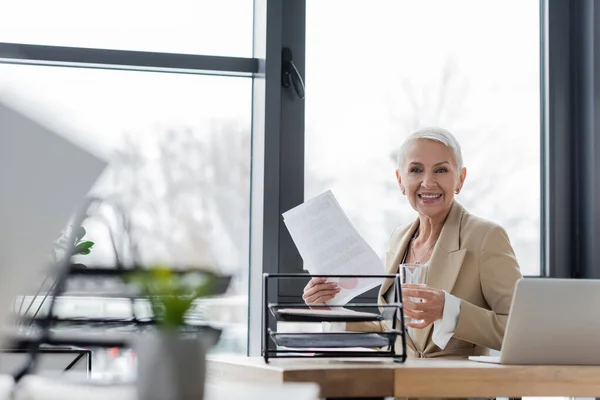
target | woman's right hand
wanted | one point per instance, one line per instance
(318, 291)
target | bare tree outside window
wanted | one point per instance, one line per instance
(187, 193)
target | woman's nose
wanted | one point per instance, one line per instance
(428, 181)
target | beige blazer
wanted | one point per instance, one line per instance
(473, 260)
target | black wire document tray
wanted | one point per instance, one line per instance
(384, 324)
(320, 314)
(334, 339)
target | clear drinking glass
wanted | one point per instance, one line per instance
(413, 274)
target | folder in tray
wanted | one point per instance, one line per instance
(333, 315)
(334, 339)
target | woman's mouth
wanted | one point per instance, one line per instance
(429, 198)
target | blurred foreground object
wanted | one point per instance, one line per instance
(44, 178)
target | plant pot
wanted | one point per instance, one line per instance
(171, 366)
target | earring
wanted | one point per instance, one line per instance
(457, 191)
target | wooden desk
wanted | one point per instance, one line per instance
(335, 378)
(415, 378)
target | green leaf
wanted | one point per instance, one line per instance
(80, 233)
(86, 245)
(83, 248)
(206, 288)
(172, 295)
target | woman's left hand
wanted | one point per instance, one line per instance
(428, 307)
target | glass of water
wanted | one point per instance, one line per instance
(413, 274)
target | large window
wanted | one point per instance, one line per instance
(392, 67)
(180, 151)
(221, 27)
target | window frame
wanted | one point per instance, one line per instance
(83, 57)
(277, 153)
(571, 169)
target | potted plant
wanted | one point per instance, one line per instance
(171, 358)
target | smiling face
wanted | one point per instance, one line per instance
(429, 176)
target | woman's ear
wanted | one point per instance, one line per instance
(399, 179)
(461, 178)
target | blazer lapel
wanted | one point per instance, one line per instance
(395, 256)
(444, 265)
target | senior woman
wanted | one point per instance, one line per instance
(472, 269)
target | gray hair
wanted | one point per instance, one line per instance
(437, 134)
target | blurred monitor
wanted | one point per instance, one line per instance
(44, 178)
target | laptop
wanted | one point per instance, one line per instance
(44, 178)
(552, 322)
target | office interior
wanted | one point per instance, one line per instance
(216, 117)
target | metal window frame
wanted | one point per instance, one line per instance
(559, 188)
(277, 152)
(81, 57)
(572, 170)
(264, 203)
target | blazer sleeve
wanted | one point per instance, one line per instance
(498, 273)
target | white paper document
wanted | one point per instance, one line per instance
(329, 244)
(336, 312)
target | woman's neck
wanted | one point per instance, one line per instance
(429, 230)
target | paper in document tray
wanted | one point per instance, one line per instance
(334, 339)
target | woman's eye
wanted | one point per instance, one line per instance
(441, 170)
(415, 170)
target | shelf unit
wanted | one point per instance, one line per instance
(50, 330)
